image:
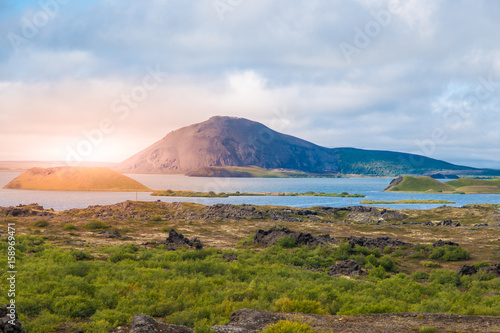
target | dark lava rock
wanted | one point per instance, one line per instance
(271, 236)
(109, 234)
(346, 268)
(176, 239)
(495, 269)
(326, 239)
(224, 211)
(366, 214)
(481, 225)
(230, 257)
(429, 224)
(380, 242)
(248, 321)
(448, 223)
(142, 323)
(7, 326)
(467, 270)
(441, 243)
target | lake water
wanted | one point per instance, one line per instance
(371, 187)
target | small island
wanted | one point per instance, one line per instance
(68, 178)
(411, 184)
(211, 194)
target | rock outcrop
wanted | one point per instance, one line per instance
(380, 242)
(271, 236)
(345, 268)
(176, 240)
(441, 243)
(141, 323)
(248, 321)
(9, 323)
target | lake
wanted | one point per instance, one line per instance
(371, 187)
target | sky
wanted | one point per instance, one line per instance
(102, 80)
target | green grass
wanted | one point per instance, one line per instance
(98, 292)
(373, 202)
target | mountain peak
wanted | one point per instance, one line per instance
(223, 141)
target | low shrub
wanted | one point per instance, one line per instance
(288, 326)
(287, 242)
(69, 227)
(449, 253)
(95, 225)
(41, 223)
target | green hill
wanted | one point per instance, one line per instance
(427, 184)
(389, 163)
(74, 179)
(418, 184)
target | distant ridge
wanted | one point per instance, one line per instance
(229, 141)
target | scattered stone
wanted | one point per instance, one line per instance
(481, 225)
(176, 240)
(491, 293)
(441, 243)
(142, 323)
(109, 233)
(230, 257)
(75, 243)
(248, 321)
(429, 224)
(495, 269)
(381, 242)
(5, 318)
(448, 223)
(467, 270)
(251, 321)
(346, 268)
(271, 236)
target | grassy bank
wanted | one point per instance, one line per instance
(457, 186)
(211, 194)
(374, 202)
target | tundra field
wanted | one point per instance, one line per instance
(320, 269)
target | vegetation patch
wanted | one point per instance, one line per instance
(373, 202)
(457, 186)
(211, 194)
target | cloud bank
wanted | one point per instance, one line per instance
(406, 75)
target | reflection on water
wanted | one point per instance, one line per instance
(371, 187)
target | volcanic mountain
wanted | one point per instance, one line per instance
(229, 141)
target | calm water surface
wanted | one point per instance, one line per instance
(371, 187)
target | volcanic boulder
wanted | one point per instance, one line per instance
(176, 240)
(345, 268)
(271, 236)
(381, 242)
